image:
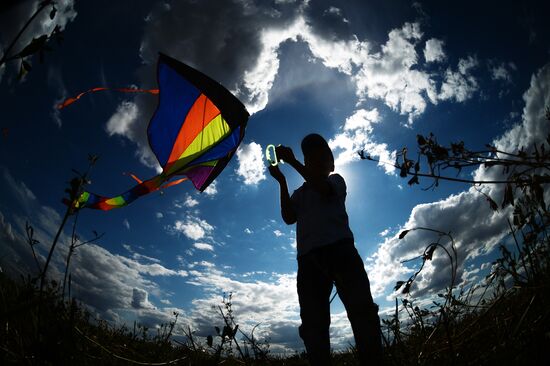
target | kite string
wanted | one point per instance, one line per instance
(124, 358)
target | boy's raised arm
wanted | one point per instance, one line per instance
(287, 211)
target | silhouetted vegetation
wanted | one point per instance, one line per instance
(38, 45)
(506, 318)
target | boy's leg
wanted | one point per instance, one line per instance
(314, 290)
(353, 288)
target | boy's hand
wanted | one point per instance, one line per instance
(276, 173)
(285, 154)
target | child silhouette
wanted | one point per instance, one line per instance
(326, 254)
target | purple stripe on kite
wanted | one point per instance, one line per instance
(199, 175)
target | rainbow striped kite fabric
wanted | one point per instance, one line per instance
(196, 129)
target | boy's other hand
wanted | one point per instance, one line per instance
(276, 173)
(285, 153)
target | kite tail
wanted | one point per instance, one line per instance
(92, 200)
(71, 100)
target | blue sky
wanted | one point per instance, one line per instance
(365, 75)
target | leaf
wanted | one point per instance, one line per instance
(26, 65)
(508, 196)
(398, 285)
(538, 192)
(403, 233)
(35, 45)
(226, 331)
(404, 170)
(430, 252)
(407, 288)
(413, 180)
(492, 203)
(421, 140)
(22, 72)
(209, 340)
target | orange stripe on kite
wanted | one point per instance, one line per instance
(201, 113)
(70, 101)
(170, 184)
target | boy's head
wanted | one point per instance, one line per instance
(318, 158)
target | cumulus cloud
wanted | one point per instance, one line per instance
(433, 51)
(212, 189)
(105, 282)
(356, 135)
(204, 246)
(477, 230)
(140, 299)
(459, 85)
(120, 122)
(503, 71)
(395, 74)
(193, 227)
(251, 163)
(190, 201)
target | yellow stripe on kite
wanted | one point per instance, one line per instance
(116, 201)
(214, 131)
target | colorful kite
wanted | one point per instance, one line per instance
(194, 132)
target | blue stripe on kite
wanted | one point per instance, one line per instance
(176, 98)
(221, 149)
(92, 199)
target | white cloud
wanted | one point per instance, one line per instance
(278, 233)
(140, 299)
(204, 246)
(212, 189)
(248, 231)
(503, 71)
(459, 85)
(126, 224)
(190, 201)
(395, 74)
(476, 229)
(193, 227)
(251, 163)
(356, 135)
(121, 122)
(293, 243)
(159, 215)
(433, 51)
(259, 80)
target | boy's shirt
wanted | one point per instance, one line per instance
(320, 220)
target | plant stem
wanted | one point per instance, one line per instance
(12, 44)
